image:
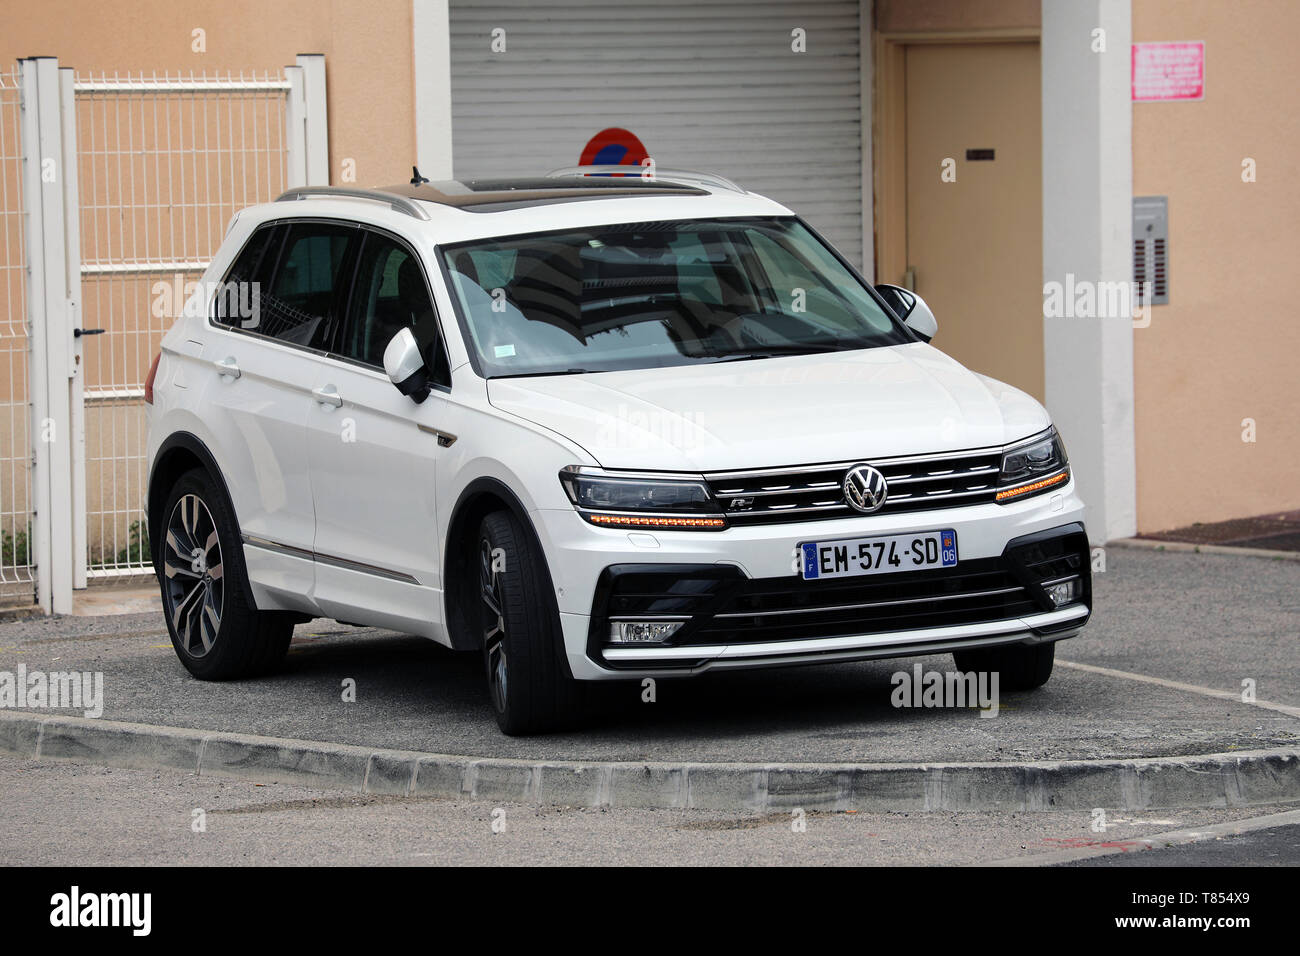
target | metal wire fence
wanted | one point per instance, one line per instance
(16, 554)
(163, 164)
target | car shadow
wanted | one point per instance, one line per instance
(401, 671)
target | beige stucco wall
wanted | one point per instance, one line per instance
(1225, 348)
(367, 47)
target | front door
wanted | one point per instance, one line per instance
(373, 452)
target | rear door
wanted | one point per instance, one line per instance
(275, 315)
(373, 452)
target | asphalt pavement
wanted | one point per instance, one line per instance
(1192, 625)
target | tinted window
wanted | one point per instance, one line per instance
(647, 295)
(797, 283)
(238, 301)
(390, 293)
(303, 303)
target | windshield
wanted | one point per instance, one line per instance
(649, 295)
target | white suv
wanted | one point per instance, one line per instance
(592, 428)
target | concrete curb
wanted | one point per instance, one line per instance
(20, 612)
(1257, 777)
(1150, 544)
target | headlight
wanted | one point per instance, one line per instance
(1033, 466)
(642, 502)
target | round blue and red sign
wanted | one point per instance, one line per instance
(613, 147)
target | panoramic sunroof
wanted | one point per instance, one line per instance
(490, 195)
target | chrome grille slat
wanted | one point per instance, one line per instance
(838, 506)
(842, 466)
(955, 494)
(912, 479)
(811, 489)
(916, 483)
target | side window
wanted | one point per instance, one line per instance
(238, 301)
(302, 305)
(389, 294)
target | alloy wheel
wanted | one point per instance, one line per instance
(494, 625)
(194, 576)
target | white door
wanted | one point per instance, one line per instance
(259, 394)
(373, 452)
(256, 379)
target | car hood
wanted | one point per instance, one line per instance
(870, 403)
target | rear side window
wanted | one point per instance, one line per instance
(238, 301)
(304, 302)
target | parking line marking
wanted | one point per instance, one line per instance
(1160, 840)
(1191, 688)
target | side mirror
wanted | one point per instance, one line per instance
(405, 366)
(911, 308)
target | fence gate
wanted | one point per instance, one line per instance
(16, 556)
(161, 164)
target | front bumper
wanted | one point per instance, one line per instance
(744, 605)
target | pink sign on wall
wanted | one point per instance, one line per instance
(1168, 71)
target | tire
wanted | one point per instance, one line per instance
(216, 632)
(1020, 666)
(529, 682)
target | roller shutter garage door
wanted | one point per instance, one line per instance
(708, 85)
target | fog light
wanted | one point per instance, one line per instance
(642, 632)
(1062, 592)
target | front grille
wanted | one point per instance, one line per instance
(783, 609)
(809, 493)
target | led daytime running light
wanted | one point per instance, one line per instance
(1008, 493)
(647, 521)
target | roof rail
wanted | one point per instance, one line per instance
(684, 177)
(397, 203)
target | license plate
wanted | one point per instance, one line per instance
(884, 554)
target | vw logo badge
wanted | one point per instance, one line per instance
(865, 489)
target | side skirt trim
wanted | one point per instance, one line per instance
(345, 563)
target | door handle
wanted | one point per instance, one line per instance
(228, 366)
(327, 395)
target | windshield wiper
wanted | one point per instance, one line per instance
(776, 351)
(563, 371)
